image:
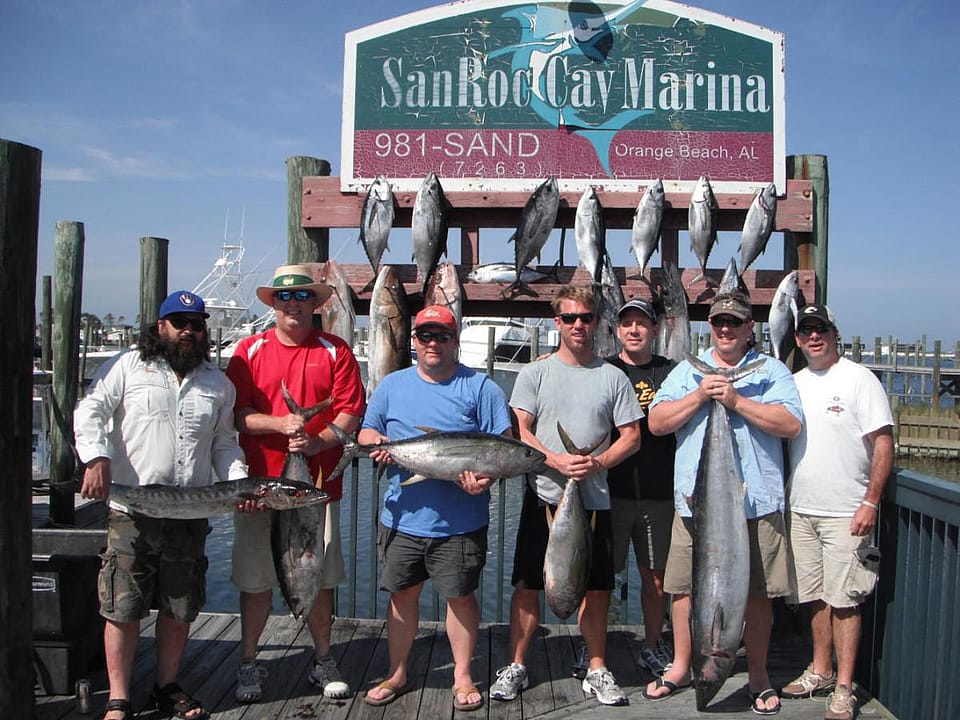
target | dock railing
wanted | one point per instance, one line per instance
(911, 626)
(359, 596)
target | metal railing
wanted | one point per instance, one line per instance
(911, 627)
(359, 595)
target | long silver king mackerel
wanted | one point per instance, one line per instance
(721, 548)
(191, 503)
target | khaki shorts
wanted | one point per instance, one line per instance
(253, 568)
(645, 523)
(769, 576)
(824, 558)
(152, 562)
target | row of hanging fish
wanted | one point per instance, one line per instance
(430, 224)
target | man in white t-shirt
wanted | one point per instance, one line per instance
(839, 466)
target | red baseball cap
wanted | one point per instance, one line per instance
(436, 315)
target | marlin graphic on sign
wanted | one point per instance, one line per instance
(548, 36)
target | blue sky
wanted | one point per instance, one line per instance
(161, 118)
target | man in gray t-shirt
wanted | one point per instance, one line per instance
(587, 396)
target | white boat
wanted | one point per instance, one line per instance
(513, 339)
(229, 292)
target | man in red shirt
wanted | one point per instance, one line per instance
(314, 366)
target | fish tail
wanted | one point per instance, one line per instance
(518, 287)
(350, 450)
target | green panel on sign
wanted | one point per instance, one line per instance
(549, 65)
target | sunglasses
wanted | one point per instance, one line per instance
(426, 336)
(570, 318)
(726, 321)
(288, 295)
(820, 329)
(179, 322)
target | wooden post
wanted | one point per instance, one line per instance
(935, 379)
(68, 253)
(304, 244)
(153, 278)
(19, 225)
(491, 349)
(46, 324)
(808, 251)
(856, 349)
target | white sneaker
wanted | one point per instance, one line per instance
(250, 677)
(326, 675)
(600, 682)
(510, 681)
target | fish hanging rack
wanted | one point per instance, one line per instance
(324, 205)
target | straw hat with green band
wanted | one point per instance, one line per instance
(293, 277)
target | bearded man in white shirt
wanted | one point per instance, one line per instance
(160, 414)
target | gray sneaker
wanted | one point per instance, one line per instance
(510, 681)
(809, 684)
(600, 682)
(656, 659)
(326, 675)
(582, 663)
(841, 705)
(250, 677)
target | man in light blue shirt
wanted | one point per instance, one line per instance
(763, 407)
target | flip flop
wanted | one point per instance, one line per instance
(671, 687)
(395, 691)
(765, 695)
(466, 692)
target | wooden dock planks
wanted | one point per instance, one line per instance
(212, 654)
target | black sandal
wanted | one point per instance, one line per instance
(118, 706)
(172, 701)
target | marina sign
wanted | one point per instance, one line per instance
(499, 94)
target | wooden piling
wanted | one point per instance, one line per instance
(304, 244)
(809, 251)
(46, 323)
(153, 277)
(935, 378)
(19, 225)
(68, 274)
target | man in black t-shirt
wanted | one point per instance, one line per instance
(641, 487)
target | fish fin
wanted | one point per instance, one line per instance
(427, 430)
(413, 480)
(698, 278)
(350, 449)
(733, 373)
(310, 412)
(288, 399)
(568, 444)
(517, 287)
(512, 238)
(572, 448)
(716, 627)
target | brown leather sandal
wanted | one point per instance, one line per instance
(172, 701)
(118, 706)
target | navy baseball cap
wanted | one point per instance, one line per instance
(642, 305)
(183, 301)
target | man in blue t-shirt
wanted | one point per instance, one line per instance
(433, 529)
